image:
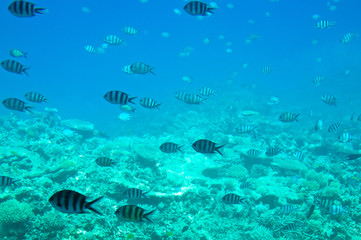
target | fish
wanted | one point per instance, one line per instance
(318, 80)
(232, 198)
(206, 146)
(68, 201)
(267, 69)
(20, 8)
(105, 162)
(141, 68)
(291, 227)
(91, 49)
(273, 151)
(192, 98)
(35, 97)
(253, 152)
(18, 53)
(187, 79)
(185, 228)
(298, 155)
(337, 210)
(149, 103)
(180, 95)
(345, 137)
(329, 99)
(310, 211)
(16, 104)
(113, 40)
(346, 38)
(118, 97)
(324, 203)
(319, 125)
(245, 185)
(207, 92)
(14, 67)
(244, 128)
(197, 8)
(134, 193)
(169, 147)
(333, 127)
(288, 117)
(287, 209)
(274, 100)
(324, 24)
(127, 108)
(6, 182)
(127, 70)
(133, 213)
(130, 30)
(359, 118)
(353, 156)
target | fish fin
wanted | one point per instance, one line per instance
(89, 206)
(131, 99)
(179, 149)
(46, 100)
(25, 55)
(133, 109)
(41, 10)
(25, 71)
(145, 194)
(147, 214)
(217, 149)
(27, 108)
(151, 71)
(296, 117)
(157, 106)
(211, 10)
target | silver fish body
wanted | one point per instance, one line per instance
(141, 68)
(118, 97)
(169, 147)
(14, 66)
(35, 97)
(149, 102)
(133, 213)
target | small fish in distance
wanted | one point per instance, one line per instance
(197, 8)
(133, 213)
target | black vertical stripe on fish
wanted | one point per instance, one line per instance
(20, 8)
(329, 99)
(288, 117)
(118, 97)
(135, 193)
(232, 198)
(333, 127)
(6, 182)
(149, 103)
(253, 152)
(192, 98)
(169, 147)
(141, 68)
(133, 213)
(35, 97)
(105, 161)
(196, 8)
(310, 211)
(287, 209)
(68, 201)
(245, 185)
(206, 91)
(16, 104)
(273, 151)
(206, 146)
(14, 67)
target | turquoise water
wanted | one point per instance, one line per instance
(260, 58)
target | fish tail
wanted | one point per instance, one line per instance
(211, 10)
(89, 206)
(41, 10)
(296, 117)
(147, 214)
(151, 71)
(179, 149)
(157, 106)
(25, 71)
(27, 108)
(46, 100)
(217, 149)
(131, 99)
(25, 55)
(145, 194)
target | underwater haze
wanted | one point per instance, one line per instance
(155, 119)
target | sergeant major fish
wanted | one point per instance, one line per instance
(206, 146)
(232, 198)
(207, 91)
(127, 70)
(288, 117)
(130, 30)
(35, 97)
(169, 147)
(333, 127)
(197, 8)
(113, 40)
(133, 213)
(149, 103)
(16, 104)
(318, 80)
(14, 67)
(329, 99)
(18, 53)
(20, 8)
(141, 68)
(6, 182)
(118, 97)
(90, 49)
(105, 162)
(273, 151)
(191, 98)
(135, 193)
(253, 152)
(324, 24)
(347, 37)
(68, 201)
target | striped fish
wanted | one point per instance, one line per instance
(207, 92)
(141, 68)
(35, 97)
(90, 48)
(206, 146)
(134, 193)
(329, 99)
(16, 104)
(105, 162)
(232, 198)
(133, 213)
(273, 151)
(149, 103)
(130, 30)
(267, 69)
(287, 209)
(333, 127)
(113, 40)
(318, 80)
(127, 70)
(336, 210)
(14, 67)
(245, 185)
(191, 98)
(346, 38)
(298, 155)
(253, 152)
(18, 53)
(68, 201)
(21, 8)
(324, 203)
(169, 147)
(181, 95)
(291, 227)
(197, 8)
(118, 97)
(6, 182)
(324, 24)
(244, 128)
(288, 117)
(345, 137)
